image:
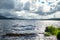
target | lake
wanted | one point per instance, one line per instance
(25, 26)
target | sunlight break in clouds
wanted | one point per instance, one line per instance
(24, 1)
(26, 15)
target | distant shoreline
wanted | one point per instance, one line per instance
(31, 19)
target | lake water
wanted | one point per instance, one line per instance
(6, 26)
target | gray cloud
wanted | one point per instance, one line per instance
(6, 4)
(19, 6)
(27, 6)
(58, 6)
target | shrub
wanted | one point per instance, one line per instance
(51, 29)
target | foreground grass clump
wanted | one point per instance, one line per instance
(47, 34)
(51, 30)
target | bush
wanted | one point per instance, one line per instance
(58, 36)
(51, 29)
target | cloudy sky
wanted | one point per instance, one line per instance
(30, 9)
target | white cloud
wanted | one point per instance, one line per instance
(57, 14)
(46, 8)
(27, 15)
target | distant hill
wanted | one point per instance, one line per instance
(51, 19)
(3, 17)
(54, 18)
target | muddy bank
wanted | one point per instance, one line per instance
(12, 34)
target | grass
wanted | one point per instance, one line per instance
(51, 30)
(47, 34)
